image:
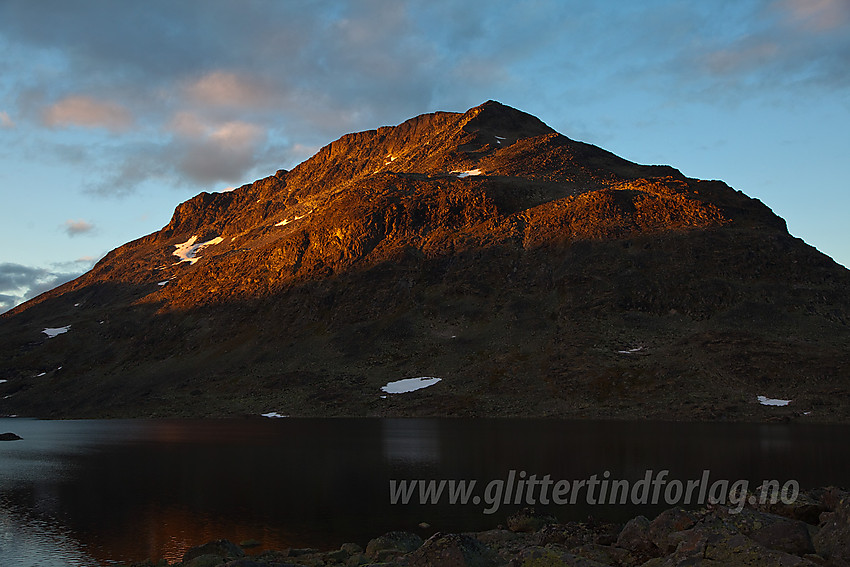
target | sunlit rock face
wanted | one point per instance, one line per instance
(534, 274)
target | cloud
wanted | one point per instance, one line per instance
(209, 152)
(742, 56)
(89, 113)
(77, 227)
(210, 91)
(229, 89)
(197, 152)
(223, 153)
(16, 276)
(213, 91)
(5, 120)
(782, 48)
(54, 281)
(816, 15)
(19, 283)
(7, 302)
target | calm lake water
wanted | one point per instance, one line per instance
(82, 493)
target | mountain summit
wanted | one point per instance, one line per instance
(533, 274)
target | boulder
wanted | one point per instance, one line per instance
(351, 548)
(666, 524)
(551, 556)
(790, 536)
(713, 541)
(356, 559)
(529, 521)
(244, 562)
(636, 538)
(568, 535)
(453, 550)
(249, 543)
(505, 542)
(222, 548)
(833, 539)
(739, 550)
(392, 543)
(338, 556)
(772, 531)
(205, 560)
(806, 507)
(606, 554)
(302, 551)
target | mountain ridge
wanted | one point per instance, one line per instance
(327, 279)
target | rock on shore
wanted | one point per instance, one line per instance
(715, 536)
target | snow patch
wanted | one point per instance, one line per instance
(3, 381)
(285, 222)
(631, 350)
(765, 401)
(468, 173)
(409, 385)
(162, 283)
(53, 331)
(273, 415)
(40, 375)
(187, 250)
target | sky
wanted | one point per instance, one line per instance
(112, 113)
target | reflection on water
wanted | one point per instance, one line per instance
(411, 441)
(25, 540)
(75, 493)
(32, 530)
(44, 453)
(775, 439)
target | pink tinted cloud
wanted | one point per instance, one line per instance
(5, 120)
(817, 15)
(77, 227)
(88, 112)
(224, 88)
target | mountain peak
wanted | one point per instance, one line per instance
(534, 274)
(495, 117)
(430, 144)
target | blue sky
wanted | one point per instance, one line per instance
(112, 113)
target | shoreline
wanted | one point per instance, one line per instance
(813, 530)
(786, 418)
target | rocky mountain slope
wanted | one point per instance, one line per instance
(534, 274)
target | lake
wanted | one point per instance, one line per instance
(82, 493)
